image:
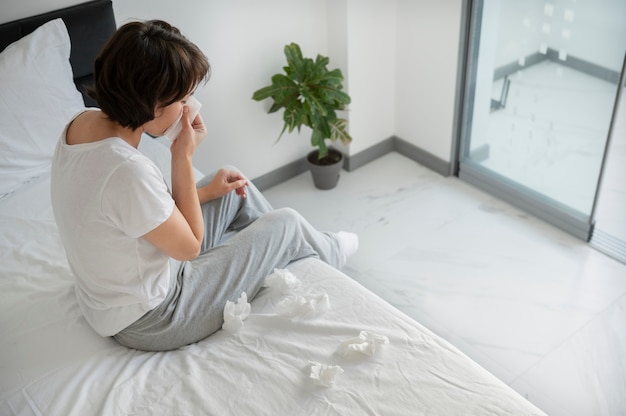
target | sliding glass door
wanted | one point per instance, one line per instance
(609, 232)
(541, 84)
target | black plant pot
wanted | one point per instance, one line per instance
(325, 171)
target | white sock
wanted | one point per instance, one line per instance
(348, 244)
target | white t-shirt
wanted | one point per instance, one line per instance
(106, 195)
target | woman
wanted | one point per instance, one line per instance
(151, 266)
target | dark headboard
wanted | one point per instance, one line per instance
(89, 25)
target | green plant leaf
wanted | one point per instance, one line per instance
(295, 62)
(318, 141)
(293, 115)
(321, 124)
(284, 102)
(281, 89)
(310, 95)
(338, 131)
(315, 103)
(318, 69)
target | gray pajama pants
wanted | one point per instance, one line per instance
(265, 239)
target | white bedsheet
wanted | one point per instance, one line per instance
(52, 363)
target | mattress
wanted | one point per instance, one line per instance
(53, 363)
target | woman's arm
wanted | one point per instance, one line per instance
(180, 236)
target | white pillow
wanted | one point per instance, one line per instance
(37, 99)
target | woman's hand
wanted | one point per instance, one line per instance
(224, 181)
(192, 133)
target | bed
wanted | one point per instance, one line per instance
(341, 351)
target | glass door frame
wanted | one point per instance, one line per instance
(533, 202)
(600, 238)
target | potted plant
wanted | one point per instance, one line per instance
(310, 95)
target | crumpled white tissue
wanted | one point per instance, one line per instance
(297, 306)
(323, 374)
(367, 343)
(235, 313)
(282, 281)
(174, 130)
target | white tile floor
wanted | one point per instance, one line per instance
(541, 310)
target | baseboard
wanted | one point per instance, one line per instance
(573, 62)
(511, 68)
(352, 162)
(396, 144)
(585, 67)
(422, 157)
(280, 175)
(364, 157)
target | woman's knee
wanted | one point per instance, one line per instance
(283, 219)
(288, 215)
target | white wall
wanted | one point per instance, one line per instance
(371, 68)
(399, 58)
(426, 67)
(516, 29)
(244, 42)
(13, 10)
(595, 32)
(337, 42)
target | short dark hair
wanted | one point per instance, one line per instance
(144, 66)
